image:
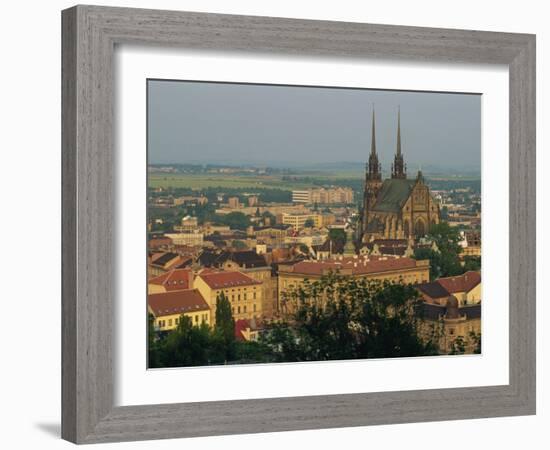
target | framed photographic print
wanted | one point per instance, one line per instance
(322, 224)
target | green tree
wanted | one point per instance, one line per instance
(236, 220)
(472, 263)
(238, 244)
(309, 223)
(344, 318)
(446, 261)
(152, 345)
(267, 216)
(187, 345)
(476, 340)
(337, 235)
(304, 249)
(225, 325)
(458, 346)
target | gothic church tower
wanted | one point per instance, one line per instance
(399, 168)
(373, 180)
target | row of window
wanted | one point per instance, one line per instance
(170, 322)
(243, 309)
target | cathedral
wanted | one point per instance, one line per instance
(396, 208)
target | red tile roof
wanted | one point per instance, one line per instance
(159, 242)
(357, 266)
(221, 280)
(175, 280)
(176, 302)
(241, 326)
(462, 283)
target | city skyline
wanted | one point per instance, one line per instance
(439, 130)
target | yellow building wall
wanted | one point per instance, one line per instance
(453, 329)
(469, 298)
(155, 289)
(417, 275)
(246, 301)
(170, 322)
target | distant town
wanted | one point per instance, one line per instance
(250, 264)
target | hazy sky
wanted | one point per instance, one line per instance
(283, 125)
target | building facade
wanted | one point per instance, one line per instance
(396, 269)
(167, 308)
(398, 207)
(323, 195)
(243, 292)
(299, 221)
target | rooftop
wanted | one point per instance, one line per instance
(164, 259)
(221, 280)
(462, 283)
(176, 302)
(393, 194)
(354, 265)
(443, 287)
(175, 280)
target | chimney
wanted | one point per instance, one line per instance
(190, 278)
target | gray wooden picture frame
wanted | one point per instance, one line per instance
(90, 34)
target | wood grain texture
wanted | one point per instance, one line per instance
(89, 36)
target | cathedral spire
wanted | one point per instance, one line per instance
(373, 138)
(399, 169)
(399, 131)
(373, 172)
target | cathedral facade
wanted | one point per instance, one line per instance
(398, 207)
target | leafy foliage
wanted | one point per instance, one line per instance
(337, 235)
(344, 318)
(445, 262)
(225, 325)
(236, 220)
(472, 263)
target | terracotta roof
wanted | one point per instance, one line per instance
(159, 242)
(433, 290)
(175, 280)
(221, 280)
(430, 311)
(462, 283)
(241, 326)
(358, 266)
(388, 242)
(176, 302)
(164, 259)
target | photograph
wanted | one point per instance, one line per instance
(292, 223)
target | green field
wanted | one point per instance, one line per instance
(201, 181)
(301, 180)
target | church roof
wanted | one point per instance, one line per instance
(393, 194)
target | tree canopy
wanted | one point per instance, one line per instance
(345, 318)
(446, 261)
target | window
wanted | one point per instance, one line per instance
(197, 318)
(239, 297)
(245, 295)
(254, 307)
(254, 296)
(238, 310)
(244, 308)
(169, 322)
(177, 320)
